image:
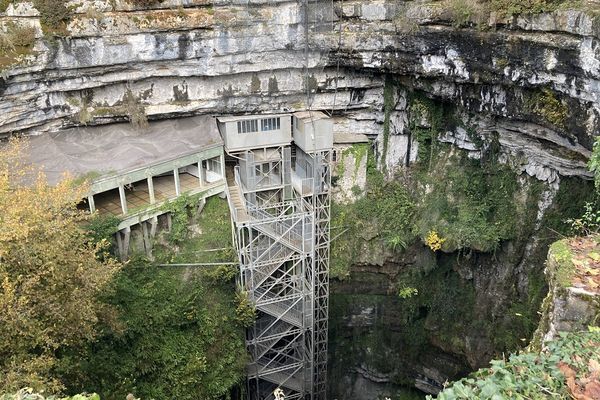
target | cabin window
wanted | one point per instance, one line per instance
(247, 126)
(270, 124)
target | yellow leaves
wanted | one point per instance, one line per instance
(50, 275)
(434, 241)
(594, 256)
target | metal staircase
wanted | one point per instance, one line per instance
(282, 239)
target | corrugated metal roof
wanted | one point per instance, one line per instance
(116, 149)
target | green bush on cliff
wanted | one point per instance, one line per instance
(537, 376)
(180, 338)
(178, 332)
(470, 205)
(54, 16)
(381, 218)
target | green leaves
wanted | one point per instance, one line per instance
(529, 375)
(594, 163)
(181, 338)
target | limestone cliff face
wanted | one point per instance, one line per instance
(532, 80)
(526, 87)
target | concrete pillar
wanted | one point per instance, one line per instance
(119, 242)
(177, 183)
(200, 174)
(146, 238)
(91, 203)
(153, 226)
(123, 199)
(169, 222)
(222, 160)
(151, 190)
(126, 239)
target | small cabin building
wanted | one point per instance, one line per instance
(312, 131)
(241, 133)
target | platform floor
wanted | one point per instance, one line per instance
(138, 195)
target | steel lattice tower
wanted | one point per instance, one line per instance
(280, 206)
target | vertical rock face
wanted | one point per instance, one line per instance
(533, 81)
(573, 301)
(525, 91)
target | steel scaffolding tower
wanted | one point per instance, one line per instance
(280, 207)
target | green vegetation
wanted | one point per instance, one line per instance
(464, 12)
(568, 367)
(179, 331)
(16, 41)
(468, 204)
(426, 119)
(54, 16)
(181, 209)
(73, 320)
(383, 217)
(214, 225)
(28, 394)
(135, 110)
(359, 151)
(546, 105)
(485, 13)
(594, 163)
(562, 259)
(567, 215)
(102, 227)
(180, 338)
(51, 276)
(517, 7)
(4, 4)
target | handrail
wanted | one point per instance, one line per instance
(232, 208)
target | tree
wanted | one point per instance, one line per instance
(50, 274)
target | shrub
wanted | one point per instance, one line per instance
(569, 363)
(135, 110)
(466, 12)
(145, 3)
(516, 7)
(54, 16)
(17, 39)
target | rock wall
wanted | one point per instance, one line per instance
(534, 81)
(573, 300)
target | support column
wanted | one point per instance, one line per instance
(151, 190)
(222, 160)
(126, 239)
(123, 199)
(177, 183)
(146, 239)
(119, 242)
(153, 226)
(91, 203)
(200, 173)
(169, 222)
